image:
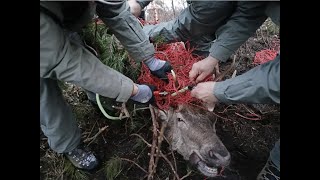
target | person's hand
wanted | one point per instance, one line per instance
(143, 94)
(204, 92)
(135, 8)
(200, 70)
(159, 68)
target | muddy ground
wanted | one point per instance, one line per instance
(249, 141)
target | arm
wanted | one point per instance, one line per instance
(243, 23)
(259, 85)
(126, 28)
(64, 60)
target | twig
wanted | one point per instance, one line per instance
(92, 128)
(137, 109)
(148, 144)
(251, 111)
(170, 164)
(125, 110)
(221, 116)
(224, 110)
(153, 147)
(141, 128)
(138, 158)
(174, 158)
(185, 176)
(160, 138)
(102, 134)
(134, 164)
(254, 119)
(95, 136)
(226, 71)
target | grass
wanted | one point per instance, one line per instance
(113, 168)
(74, 173)
(53, 164)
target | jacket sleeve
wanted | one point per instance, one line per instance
(126, 28)
(259, 85)
(65, 60)
(246, 19)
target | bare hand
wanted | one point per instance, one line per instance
(200, 70)
(135, 8)
(204, 92)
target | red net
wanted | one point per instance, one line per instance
(264, 56)
(181, 60)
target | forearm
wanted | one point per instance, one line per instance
(127, 30)
(243, 23)
(64, 60)
(259, 85)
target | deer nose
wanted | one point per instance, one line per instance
(222, 153)
(219, 157)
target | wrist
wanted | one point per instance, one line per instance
(212, 59)
(135, 90)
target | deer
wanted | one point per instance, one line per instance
(191, 132)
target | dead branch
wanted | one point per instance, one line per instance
(155, 152)
(174, 158)
(137, 109)
(95, 136)
(225, 109)
(138, 158)
(187, 175)
(221, 116)
(134, 164)
(158, 150)
(141, 139)
(153, 147)
(170, 164)
(92, 128)
(125, 110)
(251, 111)
(254, 119)
(226, 71)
